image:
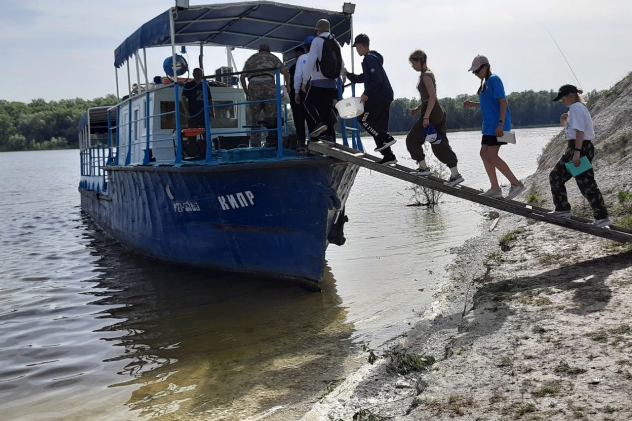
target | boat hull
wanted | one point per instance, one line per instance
(267, 218)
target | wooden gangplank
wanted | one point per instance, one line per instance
(344, 153)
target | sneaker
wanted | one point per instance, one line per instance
(561, 214)
(422, 171)
(389, 142)
(320, 129)
(388, 160)
(494, 194)
(454, 180)
(514, 191)
(603, 222)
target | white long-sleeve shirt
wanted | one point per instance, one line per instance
(316, 54)
(298, 71)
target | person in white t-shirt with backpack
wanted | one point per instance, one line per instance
(323, 66)
(580, 133)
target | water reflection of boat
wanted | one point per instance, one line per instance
(262, 210)
(217, 347)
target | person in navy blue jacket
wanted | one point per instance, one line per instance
(377, 98)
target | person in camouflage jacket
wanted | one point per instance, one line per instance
(261, 84)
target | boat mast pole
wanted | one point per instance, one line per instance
(176, 108)
(173, 46)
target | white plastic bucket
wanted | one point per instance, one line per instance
(350, 107)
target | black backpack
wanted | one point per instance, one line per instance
(330, 63)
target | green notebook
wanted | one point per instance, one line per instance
(584, 165)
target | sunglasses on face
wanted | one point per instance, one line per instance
(479, 69)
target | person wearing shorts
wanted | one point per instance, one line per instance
(496, 120)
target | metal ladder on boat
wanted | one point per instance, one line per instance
(353, 156)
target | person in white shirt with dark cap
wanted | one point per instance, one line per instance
(580, 133)
(297, 96)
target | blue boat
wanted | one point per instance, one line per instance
(268, 210)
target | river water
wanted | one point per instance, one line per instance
(90, 331)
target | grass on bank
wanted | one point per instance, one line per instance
(505, 240)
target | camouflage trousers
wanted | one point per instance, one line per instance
(585, 181)
(259, 90)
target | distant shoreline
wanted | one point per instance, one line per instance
(363, 134)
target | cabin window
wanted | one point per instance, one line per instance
(136, 116)
(144, 114)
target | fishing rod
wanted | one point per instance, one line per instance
(561, 52)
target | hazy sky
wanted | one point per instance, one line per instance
(65, 48)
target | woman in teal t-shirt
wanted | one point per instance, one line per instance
(496, 120)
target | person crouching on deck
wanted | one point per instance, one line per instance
(377, 98)
(432, 114)
(580, 134)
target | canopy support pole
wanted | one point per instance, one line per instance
(145, 69)
(118, 96)
(352, 58)
(137, 73)
(201, 58)
(129, 80)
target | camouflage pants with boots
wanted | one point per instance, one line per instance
(259, 90)
(585, 181)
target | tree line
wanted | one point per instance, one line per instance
(53, 125)
(44, 125)
(528, 108)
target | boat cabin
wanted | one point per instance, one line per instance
(148, 126)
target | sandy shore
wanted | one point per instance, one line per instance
(538, 329)
(535, 322)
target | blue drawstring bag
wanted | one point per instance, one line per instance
(431, 136)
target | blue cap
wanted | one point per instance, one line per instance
(308, 40)
(431, 136)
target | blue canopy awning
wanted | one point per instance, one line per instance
(244, 25)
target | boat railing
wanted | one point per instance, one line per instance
(93, 161)
(123, 135)
(120, 153)
(130, 128)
